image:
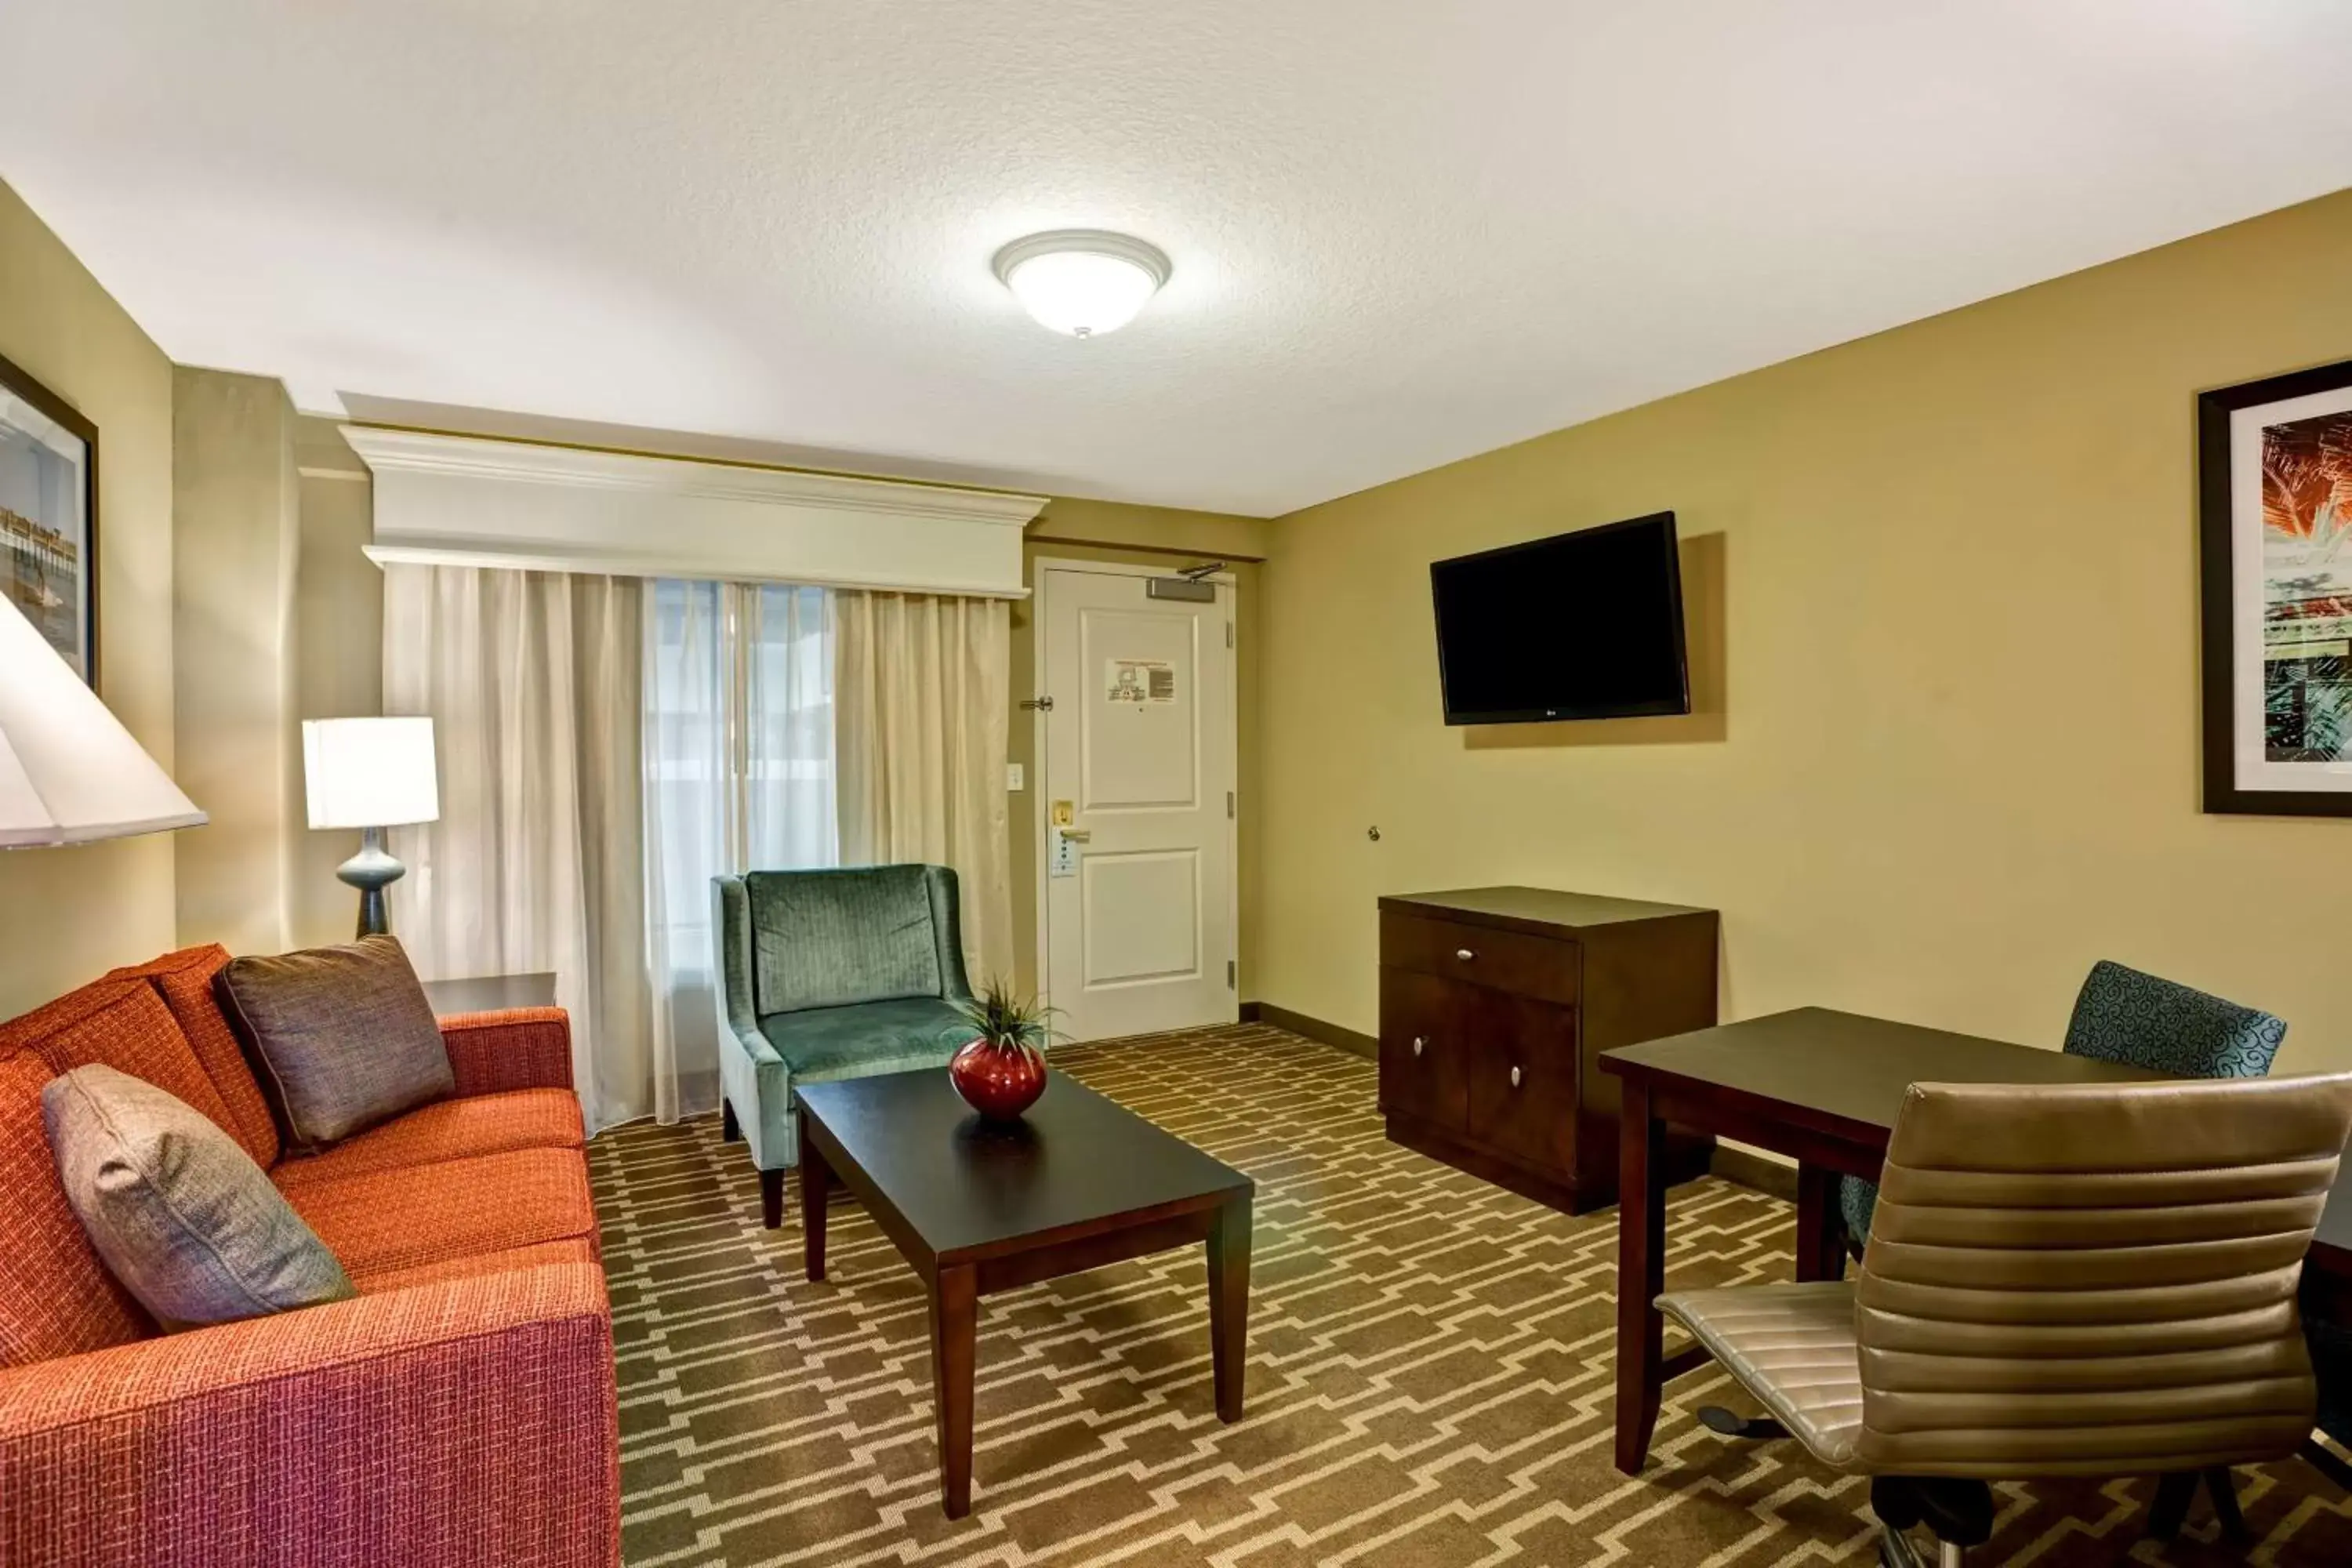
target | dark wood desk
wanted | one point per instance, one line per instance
(490, 993)
(1820, 1086)
(1078, 1182)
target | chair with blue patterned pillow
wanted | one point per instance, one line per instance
(2124, 1015)
(825, 975)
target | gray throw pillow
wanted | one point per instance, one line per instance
(341, 1037)
(182, 1214)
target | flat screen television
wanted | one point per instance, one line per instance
(1581, 625)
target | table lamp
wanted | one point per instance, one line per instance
(69, 771)
(370, 774)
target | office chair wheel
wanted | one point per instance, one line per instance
(1752, 1428)
(1895, 1550)
(1958, 1511)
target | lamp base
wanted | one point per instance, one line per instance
(373, 870)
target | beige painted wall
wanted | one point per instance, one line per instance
(237, 527)
(338, 631)
(1955, 758)
(67, 915)
(1168, 539)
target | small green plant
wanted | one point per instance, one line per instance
(1008, 1021)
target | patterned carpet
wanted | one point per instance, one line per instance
(1429, 1375)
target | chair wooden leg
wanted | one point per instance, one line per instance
(772, 1199)
(730, 1129)
(2174, 1493)
(2224, 1490)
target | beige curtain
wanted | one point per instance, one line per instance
(921, 686)
(533, 681)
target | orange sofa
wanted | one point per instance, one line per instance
(460, 1411)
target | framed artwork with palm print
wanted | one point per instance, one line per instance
(2275, 479)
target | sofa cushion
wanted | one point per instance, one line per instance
(541, 1255)
(409, 1215)
(121, 1023)
(182, 1214)
(869, 1037)
(828, 939)
(184, 980)
(343, 1037)
(57, 1297)
(449, 1130)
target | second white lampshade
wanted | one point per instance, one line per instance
(370, 773)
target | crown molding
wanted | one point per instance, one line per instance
(416, 451)
(471, 500)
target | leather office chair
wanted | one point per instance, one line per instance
(2089, 1280)
(2144, 1021)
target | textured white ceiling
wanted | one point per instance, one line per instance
(1404, 231)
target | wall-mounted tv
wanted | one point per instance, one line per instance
(1581, 625)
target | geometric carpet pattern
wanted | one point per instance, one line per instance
(1429, 1375)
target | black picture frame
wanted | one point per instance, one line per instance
(2218, 533)
(20, 384)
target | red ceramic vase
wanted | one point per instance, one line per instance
(999, 1081)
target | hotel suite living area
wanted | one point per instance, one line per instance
(1260, 786)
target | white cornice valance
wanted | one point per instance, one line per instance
(461, 501)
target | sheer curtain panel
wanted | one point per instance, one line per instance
(921, 693)
(738, 735)
(533, 681)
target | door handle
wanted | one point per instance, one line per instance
(1417, 1044)
(1465, 954)
(1514, 1076)
(1076, 834)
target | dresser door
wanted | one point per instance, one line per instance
(1522, 1081)
(1427, 1028)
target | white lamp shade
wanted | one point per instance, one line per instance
(69, 771)
(370, 773)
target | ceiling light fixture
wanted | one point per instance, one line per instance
(1082, 281)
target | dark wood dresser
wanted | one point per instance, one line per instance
(1496, 1005)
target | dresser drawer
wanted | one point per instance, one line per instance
(1427, 1031)
(1482, 955)
(1522, 1081)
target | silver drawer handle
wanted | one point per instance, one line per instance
(1465, 954)
(1416, 1045)
(1515, 1077)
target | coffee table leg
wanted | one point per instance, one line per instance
(955, 1320)
(816, 1180)
(1229, 1269)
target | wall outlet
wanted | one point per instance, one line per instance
(1016, 778)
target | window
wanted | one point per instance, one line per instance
(738, 776)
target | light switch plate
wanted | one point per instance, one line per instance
(1016, 778)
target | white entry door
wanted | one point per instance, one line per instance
(1137, 803)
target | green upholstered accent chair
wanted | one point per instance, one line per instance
(2141, 1020)
(829, 974)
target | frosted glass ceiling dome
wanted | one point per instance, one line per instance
(1082, 281)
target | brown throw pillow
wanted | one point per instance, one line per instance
(184, 1218)
(341, 1037)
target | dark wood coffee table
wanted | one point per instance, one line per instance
(1080, 1182)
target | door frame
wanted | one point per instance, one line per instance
(1041, 801)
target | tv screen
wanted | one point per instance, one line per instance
(1580, 626)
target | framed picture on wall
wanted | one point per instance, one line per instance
(49, 516)
(2274, 480)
